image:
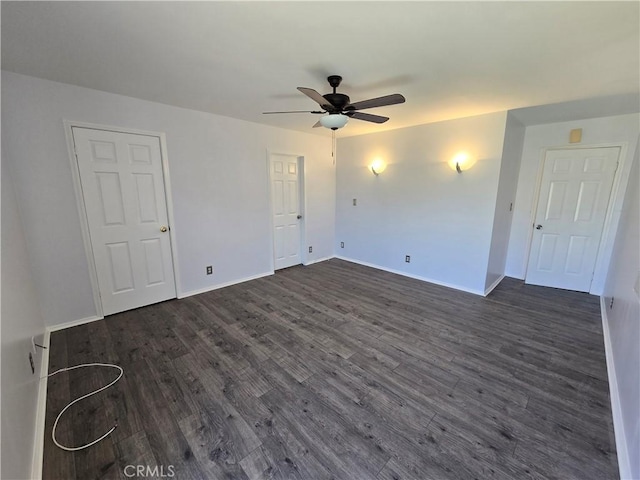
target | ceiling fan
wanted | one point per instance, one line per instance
(339, 109)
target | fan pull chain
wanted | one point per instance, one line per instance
(333, 146)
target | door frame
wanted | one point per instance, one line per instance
(302, 200)
(82, 211)
(607, 236)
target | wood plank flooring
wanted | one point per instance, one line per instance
(339, 371)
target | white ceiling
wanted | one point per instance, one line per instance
(449, 59)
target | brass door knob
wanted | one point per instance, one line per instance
(163, 228)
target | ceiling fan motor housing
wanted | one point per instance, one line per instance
(338, 100)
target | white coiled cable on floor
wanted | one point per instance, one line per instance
(55, 424)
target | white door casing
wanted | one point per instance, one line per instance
(572, 205)
(123, 191)
(286, 209)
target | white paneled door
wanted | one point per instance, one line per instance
(572, 205)
(124, 197)
(287, 212)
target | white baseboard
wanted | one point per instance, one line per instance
(318, 260)
(41, 411)
(73, 323)
(490, 288)
(624, 463)
(222, 285)
(417, 277)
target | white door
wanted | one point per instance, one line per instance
(123, 189)
(574, 196)
(287, 214)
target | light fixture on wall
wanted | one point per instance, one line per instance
(461, 161)
(334, 121)
(377, 166)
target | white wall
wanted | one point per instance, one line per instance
(21, 319)
(623, 321)
(419, 206)
(622, 129)
(218, 171)
(509, 169)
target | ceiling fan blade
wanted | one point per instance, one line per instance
(377, 102)
(316, 97)
(317, 124)
(367, 117)
(294, 111)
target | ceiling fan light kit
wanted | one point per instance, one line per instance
(334, 121)
(339, 108)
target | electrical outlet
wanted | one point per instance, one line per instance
(209, 269)
(341, 244)
(310, 249)
(611, 304)
(33, 367)
(407, 258)
(355, 202)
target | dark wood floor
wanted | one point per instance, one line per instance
(340, 371)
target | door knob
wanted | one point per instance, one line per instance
(299, 217)
(538, 227)
(163, 228)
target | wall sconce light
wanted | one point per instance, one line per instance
(461, 161)
(378, 166)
